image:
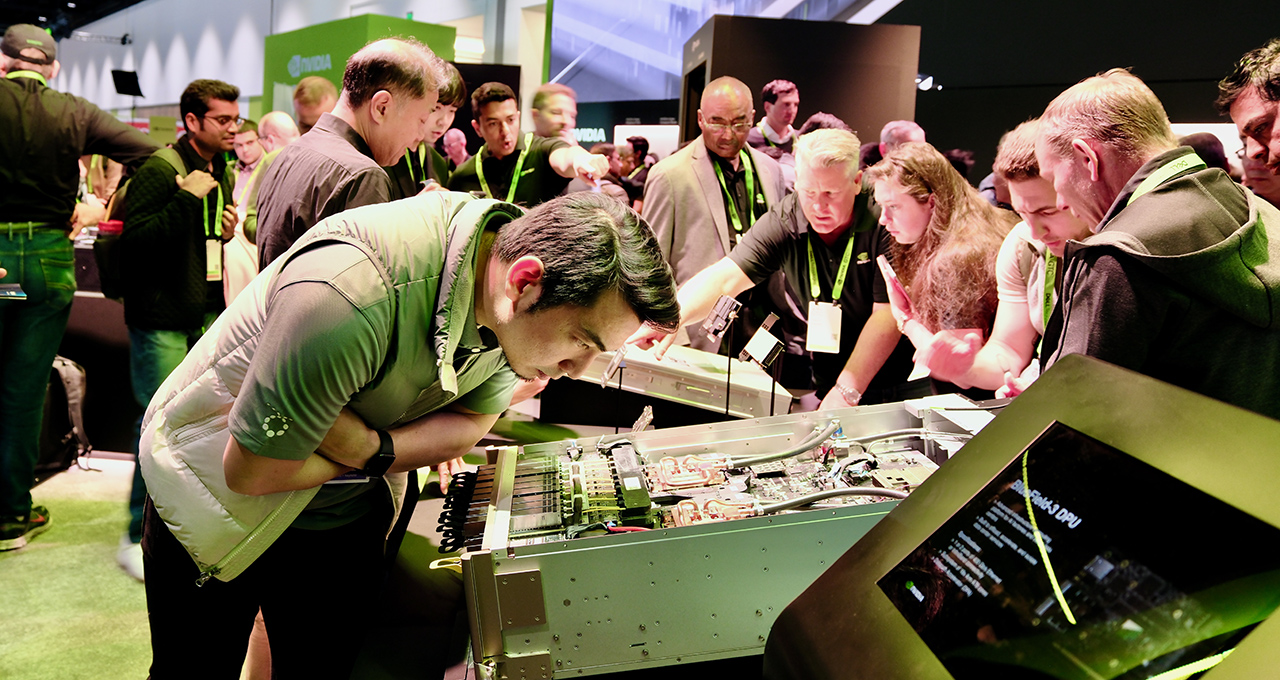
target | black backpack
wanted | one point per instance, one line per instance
(62, 438)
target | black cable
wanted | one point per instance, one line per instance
(829, 493)
(806, 445)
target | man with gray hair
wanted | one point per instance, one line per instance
(389, 89)
(895, 133)
(826, 237)
(1181, 278)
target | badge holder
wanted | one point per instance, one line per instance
(762, 350)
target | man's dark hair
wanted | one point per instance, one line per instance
(961, 160)
(640, 146)
(823, 121)
(195, 99)
(603, 148)
(248, 126)
(869, 155)
(401, 66)
(1258, 68)
(589, 244)
(487, 94)
(776, 88)
(454, 91)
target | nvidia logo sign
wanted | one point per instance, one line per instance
(300, 65)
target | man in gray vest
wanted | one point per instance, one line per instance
(388, 338)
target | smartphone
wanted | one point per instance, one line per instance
(11, 291)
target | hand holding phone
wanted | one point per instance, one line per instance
(898, 298)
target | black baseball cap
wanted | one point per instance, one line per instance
(21, 37)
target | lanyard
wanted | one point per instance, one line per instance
(422, 163)
(751, 190)
(217, 222)
(1050, 276)
(765, 134)
(1183, 163)
(13, 75)
(814, 287)
(636, 171)
(515, 177)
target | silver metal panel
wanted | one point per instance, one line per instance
(695, 378)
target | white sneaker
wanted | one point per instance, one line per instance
(129, 557)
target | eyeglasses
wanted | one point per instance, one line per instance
(225, 121)
(739, 127)
(1240, 153)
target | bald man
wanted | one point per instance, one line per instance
(702, 199)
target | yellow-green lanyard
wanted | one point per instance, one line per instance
(422, 163)
(217, 222)
(515, 176)
(13, 75)
(815, 288)
(752, 193)
(765, 134)
(1183, 163)
(1050, 276)
(636, 171)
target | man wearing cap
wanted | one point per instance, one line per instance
(38, 214)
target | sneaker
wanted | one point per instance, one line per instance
(129, 557)
(14, 535)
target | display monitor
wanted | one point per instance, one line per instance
(1104, 526)
(1051, 572)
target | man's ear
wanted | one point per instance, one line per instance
(380, 105)
(475, 125)
(857, 179)
(523, 285)
(57, 68)
(189, 121)
(1084, 153)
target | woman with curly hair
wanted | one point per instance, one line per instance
(946, 241)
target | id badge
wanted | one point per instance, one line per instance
(213, 260)
(824, 328)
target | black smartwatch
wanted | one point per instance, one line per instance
(382, 460)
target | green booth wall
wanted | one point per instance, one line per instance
(323, 49)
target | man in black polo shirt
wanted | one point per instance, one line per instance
(43, 133)
(389, 89)
(826, 237)
(521, 169)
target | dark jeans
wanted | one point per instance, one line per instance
(42, 261)
(153, 354)
(317, 590)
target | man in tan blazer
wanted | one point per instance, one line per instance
(701, 199)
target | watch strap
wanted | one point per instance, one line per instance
(381, 461)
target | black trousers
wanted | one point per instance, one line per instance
(318, 591)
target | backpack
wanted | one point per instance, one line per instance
(62, 437)
(106, 246)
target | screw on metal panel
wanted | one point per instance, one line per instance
(759, 613)
(644, 652)
(642, 626)
(760, 637)
(567, 602)
(557, 637)
(537, 618)
(504, 581)
(559, 663)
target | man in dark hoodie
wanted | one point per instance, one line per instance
(1180, 278)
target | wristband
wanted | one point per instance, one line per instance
(381, 461)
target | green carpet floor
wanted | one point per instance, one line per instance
(68, 611)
